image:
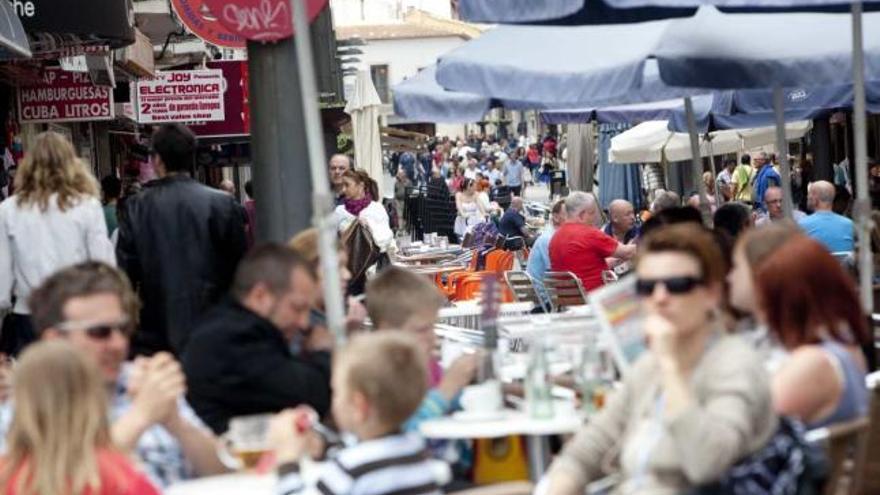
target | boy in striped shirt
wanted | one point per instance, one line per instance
(378, 382)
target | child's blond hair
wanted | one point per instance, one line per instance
(389, 369)
(396, 293)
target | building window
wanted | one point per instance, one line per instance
(379, 73)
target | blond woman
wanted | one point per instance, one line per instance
(53, 220)
(59, 442)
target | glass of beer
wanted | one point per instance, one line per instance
(248, 438)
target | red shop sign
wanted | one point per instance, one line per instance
(237, 121)
(261, 20)
(63, 96)
(201, 20)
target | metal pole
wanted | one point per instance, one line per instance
(697, 161)
(782, 152)
(863, 201)
(323, 200)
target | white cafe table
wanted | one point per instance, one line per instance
(227, 484)
(509, 422)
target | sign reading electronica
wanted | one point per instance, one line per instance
(62, 96)
(181, 96)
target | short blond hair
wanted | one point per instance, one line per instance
(396, 294)
(389, 369)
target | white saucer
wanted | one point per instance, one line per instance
(478, 415)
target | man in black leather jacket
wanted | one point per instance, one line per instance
(239, 360)
(179, 242)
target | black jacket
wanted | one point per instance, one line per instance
(238, 363)
(179, 242)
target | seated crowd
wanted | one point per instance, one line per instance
(735, 353)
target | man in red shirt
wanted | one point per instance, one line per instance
(579, 247)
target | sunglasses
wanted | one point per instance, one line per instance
(98, 331)
(673, 285)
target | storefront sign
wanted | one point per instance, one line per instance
(85, 22)
(261, 20)
(235, 103)
(62, 96)
(201, 20)
(181, 96)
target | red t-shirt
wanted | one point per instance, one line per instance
(118, 477)
(582, 250)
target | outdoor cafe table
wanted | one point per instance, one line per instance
(509, 422)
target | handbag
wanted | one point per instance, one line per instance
(362, 254)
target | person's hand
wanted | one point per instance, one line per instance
(290, 435)
(319, 339)
(663, 341)
(357, 314)
(160, 385)
(460, 373)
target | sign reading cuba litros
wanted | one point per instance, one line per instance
(181, 96)
(62, 96)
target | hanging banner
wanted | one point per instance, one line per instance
(235, 103)
(63, 96)
(201, 20)
(261, 20)
(181, 96)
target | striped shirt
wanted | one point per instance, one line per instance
(393, 465)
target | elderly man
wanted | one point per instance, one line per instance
(539, 258)
(513, 224)
(665, 200)
(93, 308)
(834, 231)
(339, 164)
(773, 204)
(622, 225)
(579, 247)
(765, 177)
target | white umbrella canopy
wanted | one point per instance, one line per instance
(652, 141)
(363, 106)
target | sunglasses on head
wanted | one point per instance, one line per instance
(98, 330)
(673, 285)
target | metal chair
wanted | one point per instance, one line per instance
(564, 289)
(846, 445)
(870, 480)
(523, 288)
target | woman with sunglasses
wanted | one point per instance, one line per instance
(694, 403)
(59, 441)
(819, 321)
(53, 220)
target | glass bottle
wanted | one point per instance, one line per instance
(539, 396)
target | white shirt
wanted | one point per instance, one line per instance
(35, 244)
(377, 222)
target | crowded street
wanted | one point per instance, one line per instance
(407, 247)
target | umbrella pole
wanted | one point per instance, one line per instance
(323, 200)
(718, 198)
(862, 208)
(696, 161)
(782, 151)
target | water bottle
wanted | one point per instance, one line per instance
(588, 378)
(538, 386)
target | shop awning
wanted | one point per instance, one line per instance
(13, 39)
(59, 25)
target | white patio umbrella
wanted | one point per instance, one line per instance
(652, 141)
(364, 110)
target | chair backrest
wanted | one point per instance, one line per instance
(870, 481)
(564, 289)
(522, 287)
(846, 445)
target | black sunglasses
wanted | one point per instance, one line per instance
(99, 331)
(674, 285)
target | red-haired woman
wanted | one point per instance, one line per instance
(811, 306)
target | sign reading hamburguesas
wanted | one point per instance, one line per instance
(181, 96)
(62, 96)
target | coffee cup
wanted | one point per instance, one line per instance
(484, 397)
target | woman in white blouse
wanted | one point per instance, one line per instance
(360, 193)
(53, 220)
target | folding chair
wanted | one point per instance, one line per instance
(564, 289)
(523, 288)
